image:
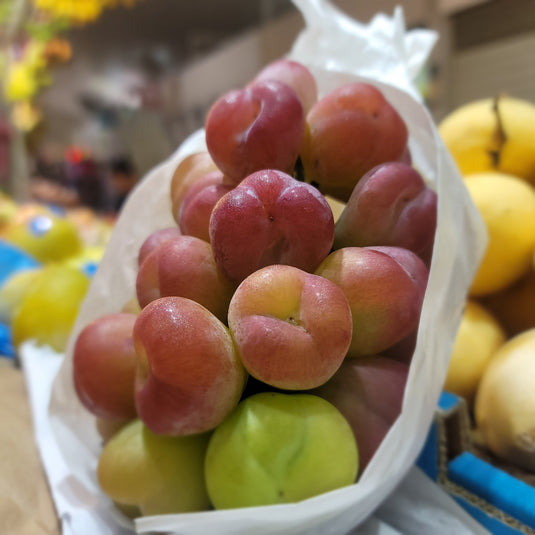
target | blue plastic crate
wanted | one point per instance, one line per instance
(502, 503)
(13, 259)
(7, 349)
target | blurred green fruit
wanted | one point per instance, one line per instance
(13, 291)
(160, 474)
(49, 308)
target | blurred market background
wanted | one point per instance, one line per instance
(97, 92)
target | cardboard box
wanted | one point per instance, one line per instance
(499, 497)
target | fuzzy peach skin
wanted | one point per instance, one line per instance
(194, 213)
(385, 287)
(291, 328)
(104, 366)
(349, 131)
(270, 218)
(155, 239)
(189, 377)
(184, 266)
(369, 393)
(260, 126)
(296, 75)
(390, 205)
(188, 171)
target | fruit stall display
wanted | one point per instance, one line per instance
(272, 348)
(47, 258)
(261, 334)
(491, 369)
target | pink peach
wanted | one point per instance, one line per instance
(292, 329)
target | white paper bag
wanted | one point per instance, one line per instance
(336, 49)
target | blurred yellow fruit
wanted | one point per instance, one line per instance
(507, 206)
(13, 290)
(478, 338)
(46, 237)
(514, 307)
(505, 404)
(493, 134)
(49, 308)
(87, 260)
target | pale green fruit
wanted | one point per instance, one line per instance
(279, 448)
(48, 309)
(13, 290)
(159, 474)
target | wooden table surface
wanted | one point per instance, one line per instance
(26, 507)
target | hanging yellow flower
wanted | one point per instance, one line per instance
(25, 76)
(25, 115)
(57, 50)
(20, 83)
(25, 72)
(78, 11)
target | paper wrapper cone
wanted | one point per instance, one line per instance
(337, 49)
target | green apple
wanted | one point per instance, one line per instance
(279, 448)
(157, 473)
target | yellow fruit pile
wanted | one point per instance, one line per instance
(493, 363)
(40, 301)
(493, 134)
